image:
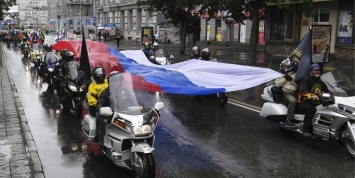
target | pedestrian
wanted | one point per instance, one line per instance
(105, 35)
(99, 35)
(118, 40)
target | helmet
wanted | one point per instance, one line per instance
(316, 66)
(195, 48)
(156, 45)
(205, 54)
(24, 39)
(67, 55)
(50, 47)
(287, 65)
(35, 41)
(99, 74)
(45, 46)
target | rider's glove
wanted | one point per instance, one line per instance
(288, 77)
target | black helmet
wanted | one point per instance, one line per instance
(67, 55)
(205, 54)
(45, 46)
(35, 41)
(24, 39)
(99, 74)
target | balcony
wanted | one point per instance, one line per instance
(83, 2)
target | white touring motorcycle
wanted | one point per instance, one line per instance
(129, 137)
(334, 120)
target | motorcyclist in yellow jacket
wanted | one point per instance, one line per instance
(96, 87)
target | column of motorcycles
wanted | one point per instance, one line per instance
(129, 137)
(62, 77)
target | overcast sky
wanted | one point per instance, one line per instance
(13, 9)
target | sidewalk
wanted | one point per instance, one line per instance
(234, 53)
(18, 153)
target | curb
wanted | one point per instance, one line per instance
(30, 146)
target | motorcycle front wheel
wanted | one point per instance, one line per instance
(143, 165)
(222, 98)
(350, 146)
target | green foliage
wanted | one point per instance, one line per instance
(5, 6)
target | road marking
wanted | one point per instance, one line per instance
(244, 105)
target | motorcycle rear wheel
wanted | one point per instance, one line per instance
(143, 165)
(350, 146)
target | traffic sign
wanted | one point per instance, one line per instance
(94, 18)
(94, 24)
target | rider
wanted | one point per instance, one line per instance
(205, 55)
(195, 53)
(62, 69)
(95, 88)
(311, 86)
(103, 101)
(288, 86)
(50, 57)
(23, 43)
(152, 55)
(147, 50)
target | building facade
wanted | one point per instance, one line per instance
(286, 28)
(125, 16)
(32, 14)
(70, 15)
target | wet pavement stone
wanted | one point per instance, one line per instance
(18, 151)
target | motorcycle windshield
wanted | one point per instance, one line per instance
(159, 53)
(122, 95)
(340, 81)
(73, 68)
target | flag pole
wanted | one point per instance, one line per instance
(310, 55)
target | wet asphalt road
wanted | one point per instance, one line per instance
(194, 138)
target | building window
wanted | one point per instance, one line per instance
(280, 24)
(322, 16)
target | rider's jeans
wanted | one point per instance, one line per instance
(291, 105)
(309, 110)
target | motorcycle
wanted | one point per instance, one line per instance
(71, 90)
(36, 56)
(47, 71)
(160, 58)
(26, 50)
(334, 120)
(129, 138)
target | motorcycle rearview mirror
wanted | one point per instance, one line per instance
(159, 106)
(106, 111)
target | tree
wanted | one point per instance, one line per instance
(181, 13)
(5, 6)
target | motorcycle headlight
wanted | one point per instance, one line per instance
(73, 88)
(347, 109)
(142, 130)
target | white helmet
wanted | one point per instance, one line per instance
(155, 44)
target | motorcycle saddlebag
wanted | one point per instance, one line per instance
(276, 94)
(89, 126)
